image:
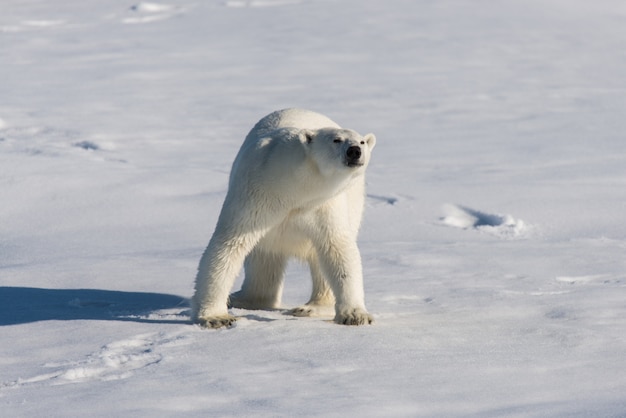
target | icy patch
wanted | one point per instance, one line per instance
(502, 226)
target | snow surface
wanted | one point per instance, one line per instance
(494, 237)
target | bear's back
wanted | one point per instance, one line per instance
(292, 118)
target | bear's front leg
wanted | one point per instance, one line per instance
(341, 263)
(221, 262)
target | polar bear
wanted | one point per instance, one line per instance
(296, 189)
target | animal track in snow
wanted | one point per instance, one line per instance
(502, 226)
(117, 360)
(37, 140)
(87, 145)
(53, 142)
(383, 199)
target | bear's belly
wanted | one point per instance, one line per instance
(288, 239)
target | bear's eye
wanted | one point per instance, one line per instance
(362, 142)
(337, 140)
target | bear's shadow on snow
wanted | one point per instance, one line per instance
(21, 305)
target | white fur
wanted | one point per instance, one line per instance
(293, 192)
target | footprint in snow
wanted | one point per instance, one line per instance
(53, 142)
(37, 140)
(389, 200)
(114, 361)
(87, 145)
(502, 226)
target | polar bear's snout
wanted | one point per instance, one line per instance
(353, 156)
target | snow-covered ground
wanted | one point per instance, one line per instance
(495, 228)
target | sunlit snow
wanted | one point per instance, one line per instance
(494, 234)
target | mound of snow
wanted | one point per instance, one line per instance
(146, 7)
(503, 226)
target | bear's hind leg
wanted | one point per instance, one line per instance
(263, 283)
(322, 300)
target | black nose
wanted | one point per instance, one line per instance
(353, 153)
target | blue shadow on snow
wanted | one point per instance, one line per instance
(21, 305)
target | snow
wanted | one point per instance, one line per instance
(500, 225)
(494, 235)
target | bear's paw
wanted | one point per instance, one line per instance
(301, 311)
(217, 321)
(355, 316)
(312, 310)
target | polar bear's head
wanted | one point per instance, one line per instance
(336, 149)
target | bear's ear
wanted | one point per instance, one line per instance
(371, 140)
(306, 136)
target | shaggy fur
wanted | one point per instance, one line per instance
(296, 189)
